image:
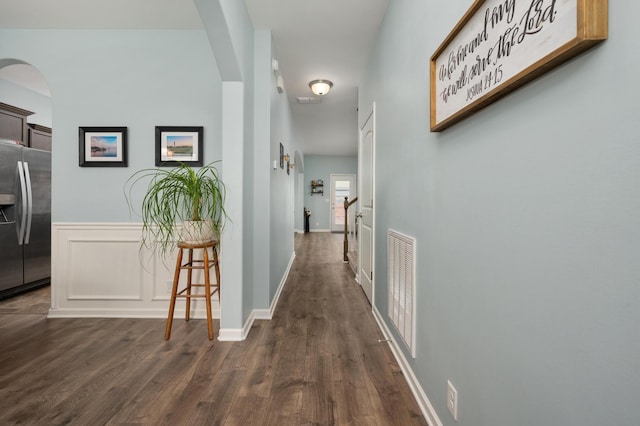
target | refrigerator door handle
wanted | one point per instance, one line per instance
(23, 191)
(27, 176)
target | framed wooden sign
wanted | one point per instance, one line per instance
(500, 45)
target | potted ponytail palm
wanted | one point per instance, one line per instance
(193, 197)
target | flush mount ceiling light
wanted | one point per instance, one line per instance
(320, 87)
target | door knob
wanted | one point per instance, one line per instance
(358, 214)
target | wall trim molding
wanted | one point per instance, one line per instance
(99, 271)
(283, 281)
(128, 313)
(261, 314)
(235, 335)
(231, 335)
(425, 405)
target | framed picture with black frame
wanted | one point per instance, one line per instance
(281, 156)
(179, 144)
(102, 146)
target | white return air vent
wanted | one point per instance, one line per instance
(401, 281)
(308, 100)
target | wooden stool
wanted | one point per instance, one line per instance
(205, 264)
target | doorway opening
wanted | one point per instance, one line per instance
(25, 184)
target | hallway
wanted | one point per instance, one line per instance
(318, 361)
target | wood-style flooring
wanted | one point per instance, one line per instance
(317, 362)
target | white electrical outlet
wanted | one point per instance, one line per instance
(452, 400)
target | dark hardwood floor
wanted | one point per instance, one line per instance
(317, 362)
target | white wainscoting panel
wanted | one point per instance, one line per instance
(101, 270)
(98, 270)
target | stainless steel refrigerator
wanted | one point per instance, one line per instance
(25, 218)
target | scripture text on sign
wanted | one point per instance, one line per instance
(500, 45)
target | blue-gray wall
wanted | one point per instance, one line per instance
(141, 79)
(527, 227)
(318, 167)
(261, 170)
(137, 79)
(273, 188)
(282, 186)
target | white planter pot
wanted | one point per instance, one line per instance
(197, 231)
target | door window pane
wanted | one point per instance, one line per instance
(343, 189)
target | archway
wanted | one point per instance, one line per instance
(24, 86)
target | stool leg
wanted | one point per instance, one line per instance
(216, 266)
(187, 313)
(174, 291)
(207, 292)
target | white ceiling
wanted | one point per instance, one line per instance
(328, 39)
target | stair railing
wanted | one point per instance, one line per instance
(348, 204)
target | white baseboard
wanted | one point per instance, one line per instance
(421, 397)
(283, 281)
(320, 230)
(231, 335)
(235, 335)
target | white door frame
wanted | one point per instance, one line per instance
(363, 203)
(332, 202)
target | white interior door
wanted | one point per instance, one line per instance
(341, 186)
(366, 215)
